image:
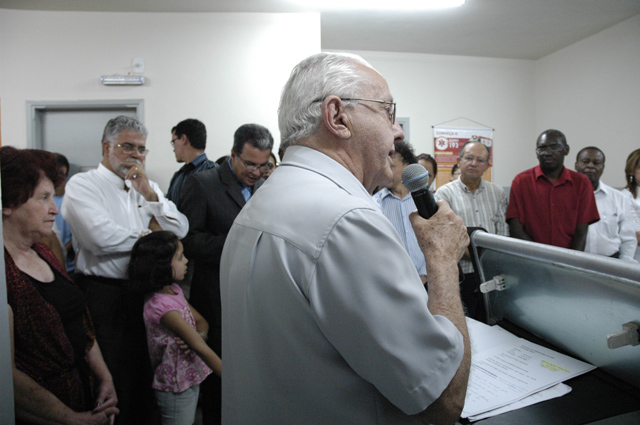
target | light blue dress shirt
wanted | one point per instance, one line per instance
(397, 211)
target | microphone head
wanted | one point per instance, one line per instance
(415, 177)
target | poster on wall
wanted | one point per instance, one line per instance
(447, 144)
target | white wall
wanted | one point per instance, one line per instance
(228, 69)
(224, 69)
(431, 89)
(591, 92)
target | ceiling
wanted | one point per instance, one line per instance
(513, 29)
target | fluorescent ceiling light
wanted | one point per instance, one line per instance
(380, 4)
(122, 80)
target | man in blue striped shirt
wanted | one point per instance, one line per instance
(396, 204)
(188, 139)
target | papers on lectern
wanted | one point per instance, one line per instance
(506, 369)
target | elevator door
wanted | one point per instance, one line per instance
(75, 130)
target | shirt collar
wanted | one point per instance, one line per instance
(194, 164)
(199, 159)
(565, 176)
(316, 161)
(233, 173)
(385, 192)
(110, 175)
(602, 188)
(464, 187)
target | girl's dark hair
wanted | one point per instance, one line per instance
(150, 265)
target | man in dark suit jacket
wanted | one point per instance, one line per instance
(211, 200)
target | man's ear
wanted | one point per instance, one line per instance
(566, 149)
(104, 148)
(335, 117)
(6, 212)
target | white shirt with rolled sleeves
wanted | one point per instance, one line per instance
(615, 231)
(106, 220)
(324, 316)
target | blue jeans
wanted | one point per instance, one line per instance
(178, 408)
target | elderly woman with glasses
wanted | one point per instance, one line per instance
(58, 371)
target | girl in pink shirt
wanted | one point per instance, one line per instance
(176, 332)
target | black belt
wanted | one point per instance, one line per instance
(100, 279)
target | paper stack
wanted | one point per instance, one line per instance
(508, 372)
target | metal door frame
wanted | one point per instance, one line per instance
(35, 110)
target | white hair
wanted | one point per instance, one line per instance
(311, 81)
(121, 123)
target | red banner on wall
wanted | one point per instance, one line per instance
(447, 144)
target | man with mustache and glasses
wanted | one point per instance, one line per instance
(212, 199)
(479, 203)
(108, 209)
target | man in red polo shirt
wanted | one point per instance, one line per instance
(550, 204)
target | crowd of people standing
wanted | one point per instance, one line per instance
(308, 282)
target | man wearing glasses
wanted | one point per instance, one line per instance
(551, 204)
(325, 318)
(211, 200)
(480, 204)
(188, 140)
(108, 209)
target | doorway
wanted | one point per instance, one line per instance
(74, 128)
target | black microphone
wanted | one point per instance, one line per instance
(416, 178)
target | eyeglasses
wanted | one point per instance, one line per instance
(128, 148)
(469, 158)
(556, 147)
(251, 167)
(391, 110)
(173, 141)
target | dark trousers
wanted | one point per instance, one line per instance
(120, 332)
(211, 400)
(472, 297)
(211, 387)
(205, 297)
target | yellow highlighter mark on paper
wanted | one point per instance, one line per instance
(553, 367)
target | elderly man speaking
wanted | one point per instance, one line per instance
(324, 317)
